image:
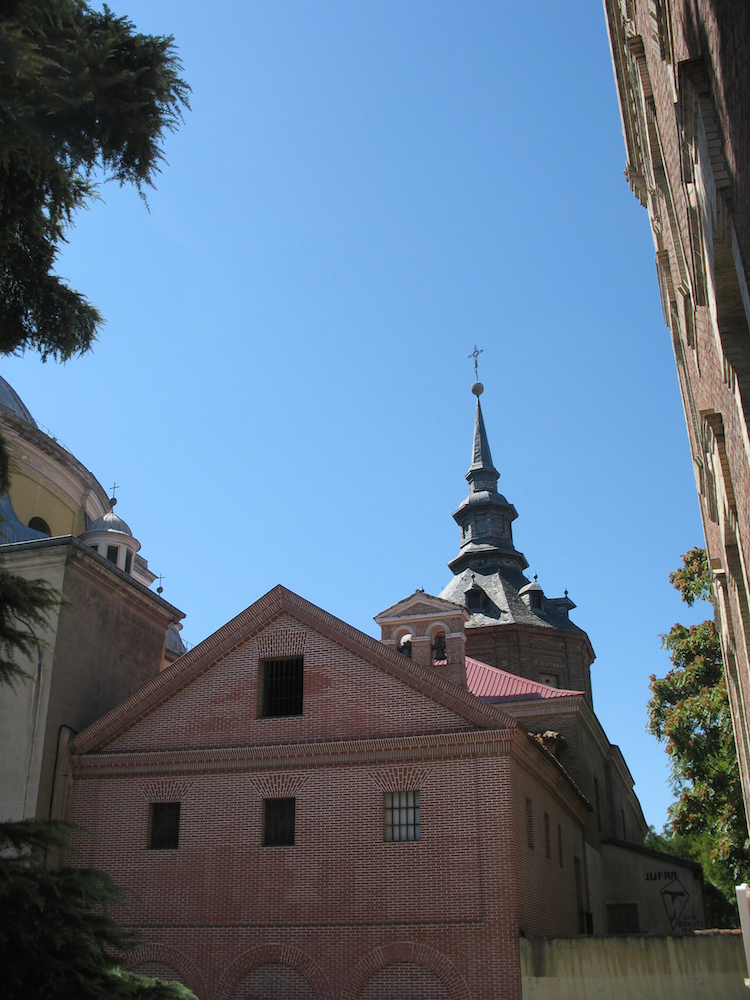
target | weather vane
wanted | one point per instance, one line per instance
(475, 354)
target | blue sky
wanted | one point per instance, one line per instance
(361, 192)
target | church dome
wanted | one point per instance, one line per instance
(10, 400)
(109, 522)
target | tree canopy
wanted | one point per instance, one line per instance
(57, 938)
(83, 97)
(689, 712)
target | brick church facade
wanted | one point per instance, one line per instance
(302, 811)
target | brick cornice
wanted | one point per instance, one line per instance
(295, 756)
(276, 602)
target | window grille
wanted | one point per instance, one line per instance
(278, 822)
(282, 687)
(402, 820)
(529, 825)
(165, 826)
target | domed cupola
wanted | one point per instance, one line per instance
(112, 538)
(11, 401)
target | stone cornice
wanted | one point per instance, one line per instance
(276, 602)
(96, 564)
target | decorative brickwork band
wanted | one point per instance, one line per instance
(278, 786)
(166, 789)
(416, 954)
(273, 954)
(165, 955)
(401, 779)
(276, 643)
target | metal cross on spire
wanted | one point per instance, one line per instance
(114, 487)
(475, 354)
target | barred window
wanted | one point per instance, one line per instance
(281, 687)
(165, 826)
(402, 816)
(278, 822)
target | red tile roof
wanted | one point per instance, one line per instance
(488, 682)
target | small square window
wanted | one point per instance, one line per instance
(402, 820)
(278, 822)
(165, 826)
(281, 687)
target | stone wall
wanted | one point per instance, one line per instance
(702, 966)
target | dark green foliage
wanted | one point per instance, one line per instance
(689, 711)
(24, 605)
(57, 939)
(81, 93)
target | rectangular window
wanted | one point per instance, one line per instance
(559, 845)
(547, 838)
(94, 547)
(112, 553)
(278, 822)
(529, 825)
(165, 826)
(128, 561)
(401, 816)
(281, 687)
(622, 918)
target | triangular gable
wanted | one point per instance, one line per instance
(420, 605)
(485, 681)
(277, 602)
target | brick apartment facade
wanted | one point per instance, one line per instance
(683, 79)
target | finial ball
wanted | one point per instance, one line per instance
(477, 388)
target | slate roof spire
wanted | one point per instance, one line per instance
(485, 516)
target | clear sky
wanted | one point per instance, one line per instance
(361, 192)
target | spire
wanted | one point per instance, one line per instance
(481, 458)
(485, 516)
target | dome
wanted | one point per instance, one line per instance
(109, 522)
(10, 400)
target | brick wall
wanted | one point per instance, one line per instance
(342, 913)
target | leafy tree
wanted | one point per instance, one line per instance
(57, 939)
(82, 95)
(689, 711)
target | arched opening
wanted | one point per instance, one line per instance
(273, 981)
(439, 654)
(404, 644)
(405, 981)
(39, 524)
